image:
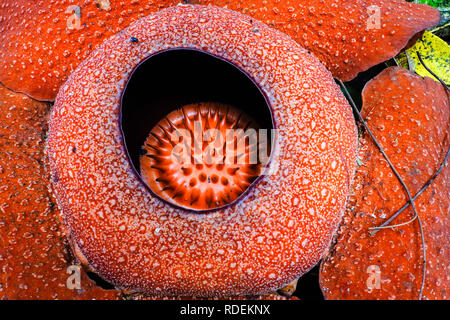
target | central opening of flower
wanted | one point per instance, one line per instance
(197, 129)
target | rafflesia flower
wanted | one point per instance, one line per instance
(199, 228)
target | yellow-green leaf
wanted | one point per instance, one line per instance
(435, 54)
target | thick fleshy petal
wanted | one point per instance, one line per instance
(409, 116)
(348, 36)
(42, 42)
(34, 254)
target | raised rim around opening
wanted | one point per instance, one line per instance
(128, 96)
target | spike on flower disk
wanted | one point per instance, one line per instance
(215, 178)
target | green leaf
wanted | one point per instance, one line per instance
(434, 3)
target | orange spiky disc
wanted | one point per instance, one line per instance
(207, 173)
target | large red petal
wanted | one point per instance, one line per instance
(410, 118)
(42, 42)
(348, 36)
(34, 254)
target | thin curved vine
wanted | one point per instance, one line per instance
(394, 170)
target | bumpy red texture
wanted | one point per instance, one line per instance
(42, 42)
(270, 296)
(258, 244)
(34, 253)
(409, 116)
(348, 36)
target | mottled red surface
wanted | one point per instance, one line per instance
(269, 296)
(410, 118)
(34, 253)
(344, 34)
(260, 243)
(43, 41)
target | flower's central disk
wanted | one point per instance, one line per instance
(203, 156)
